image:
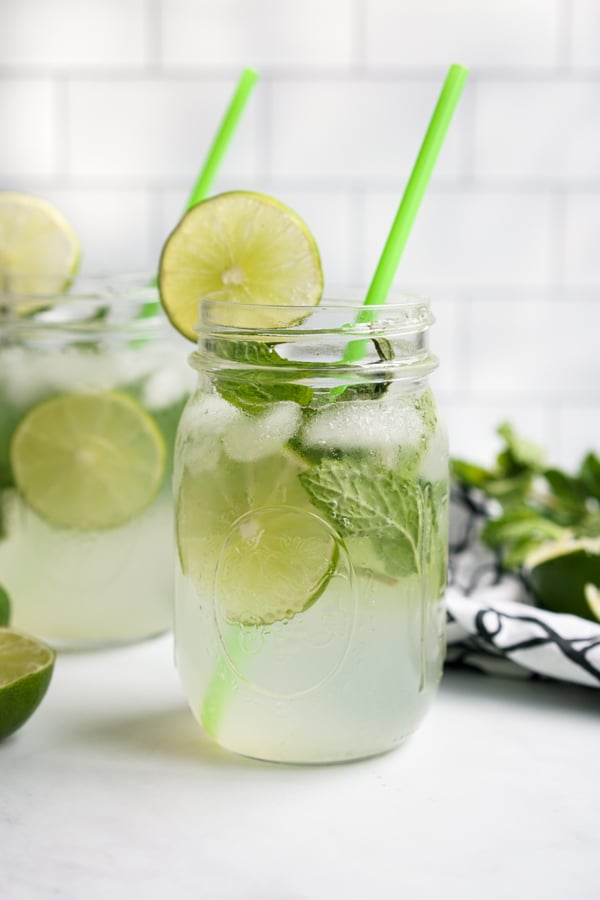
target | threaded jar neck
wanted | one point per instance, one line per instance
(113, 307)
(336, 337)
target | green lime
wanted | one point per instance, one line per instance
(566, 577)
(39, 251)
(4, 608)
(88, 461)
(248, 532)
(26, 666)
(592, 595)
(248, 248)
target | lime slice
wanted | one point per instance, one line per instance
(249, 534)
(248, 248)
(39, 251)
(566, 577)
(26, 667)
(88, 461)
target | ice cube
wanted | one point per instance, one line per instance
(367, 426)
(168, 384)
(33, 374)
(202, 424)
(251, 438)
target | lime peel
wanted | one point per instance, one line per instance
(26, 667)
(565, 576)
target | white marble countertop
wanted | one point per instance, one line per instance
(111, 791)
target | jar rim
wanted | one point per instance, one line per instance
(107, 302)
(339, 311)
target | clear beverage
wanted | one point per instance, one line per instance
(74, 578)
(311, 505)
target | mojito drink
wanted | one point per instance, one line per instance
(90, 396)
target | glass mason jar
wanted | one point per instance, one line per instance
(311, 485)
(92, 383)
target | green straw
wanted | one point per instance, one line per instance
(410, 202)
(214, 158)
(225, 132)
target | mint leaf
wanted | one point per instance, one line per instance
(363, 499)
(518, 532)
(519, 453)
(252, 391)
(3, 532)
(4, 608)
(517, 523)
(469, 475)
(589, 475)
(590, 526)
(569, 494)
(254, 353)
(254, 398)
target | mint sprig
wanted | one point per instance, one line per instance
(363, 499)
(538, 504)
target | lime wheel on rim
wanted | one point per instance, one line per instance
(39, 251)
(245, 248)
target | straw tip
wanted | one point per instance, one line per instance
(250, 74)
(457, 69)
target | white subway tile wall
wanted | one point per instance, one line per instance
(107, 108)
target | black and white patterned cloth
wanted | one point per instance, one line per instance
(493, 624)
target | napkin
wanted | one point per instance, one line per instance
(493, 623)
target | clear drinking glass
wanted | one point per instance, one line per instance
(92, 383)
(311, 515)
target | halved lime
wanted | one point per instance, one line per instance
(26, 666)
(88, 461)
(39, 251)
(247, 248)
(566, 577)
(249, 536)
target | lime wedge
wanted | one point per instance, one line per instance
(88, 461)
(39, 251)
(248, 248)
(566, 577)
(249, 533)
(26, 667)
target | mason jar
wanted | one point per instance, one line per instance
(311, 490)
(92, 383)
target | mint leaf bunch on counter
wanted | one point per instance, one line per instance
(543, 522)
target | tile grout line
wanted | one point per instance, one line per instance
(152, 37)
(360, 36)
(558, 240)
(117, 72)
(565, 35)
